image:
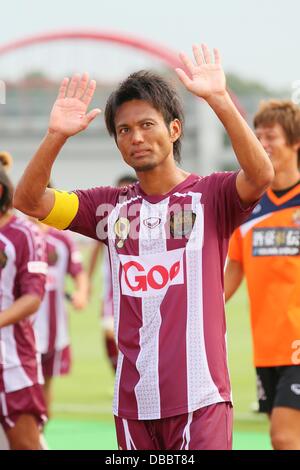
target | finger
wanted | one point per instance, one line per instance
(87, 97)
(73, 85)
(206, 53)
(187, 62)
(62, 89)
(79, 92)
(183, 78)
(198, 54)
(217, 56)
(92, 115)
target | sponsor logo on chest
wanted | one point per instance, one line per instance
(276, 241)
(151, 275)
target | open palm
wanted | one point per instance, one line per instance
(69, 113)
(206, 78)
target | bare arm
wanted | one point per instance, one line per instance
(68, 117)
(20, 309)
(233, 277)
(208, 82)
(80, 296)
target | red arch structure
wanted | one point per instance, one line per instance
(168, 56)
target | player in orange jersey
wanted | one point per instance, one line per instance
(266, 249)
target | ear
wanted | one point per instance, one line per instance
(175, 130)
(297, 146)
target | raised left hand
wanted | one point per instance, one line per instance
(206, 77)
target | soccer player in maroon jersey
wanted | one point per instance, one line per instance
(167, 237)
(51, 323)
(22, 279)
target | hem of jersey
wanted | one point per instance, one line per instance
(280, 363)
(173, 412)
(33, 292)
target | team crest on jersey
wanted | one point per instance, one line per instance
(152, 222)
(121, 229)
(3, 259)
(296, 217)
(52, 258)
(182, 223)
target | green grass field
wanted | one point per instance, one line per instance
(82, 417)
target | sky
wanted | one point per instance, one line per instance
(258, 39)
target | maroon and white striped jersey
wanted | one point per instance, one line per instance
(22, 271)
(51, 323)
(167, 257)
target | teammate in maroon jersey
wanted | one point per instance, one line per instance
(22, 279)
(168, 237)
(52, 324)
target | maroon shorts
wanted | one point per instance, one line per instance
(29, 400)
(209, 428)
(57, 362)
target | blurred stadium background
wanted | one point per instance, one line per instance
(82, 417)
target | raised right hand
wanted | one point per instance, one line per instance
(69, 113)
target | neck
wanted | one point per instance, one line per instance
(284, 179)
(161, 179)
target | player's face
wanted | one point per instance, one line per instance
(143, 138)
(273, 140)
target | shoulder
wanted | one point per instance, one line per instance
(219, 178)
(98, 195)
(54, 235)
(25, 230)
(28, 240)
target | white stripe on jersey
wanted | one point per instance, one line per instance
(115, 272)
(147, 389)
(117, 383)
(8, 275)
(197, 365)
(41, 325)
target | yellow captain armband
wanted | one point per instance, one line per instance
(64, 210)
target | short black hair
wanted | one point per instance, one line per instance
(147, 86)
(128, 179)
(7, 196)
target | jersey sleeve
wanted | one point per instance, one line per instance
(83, 211)
(235, 249)
(31, 263)
(228, 207)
